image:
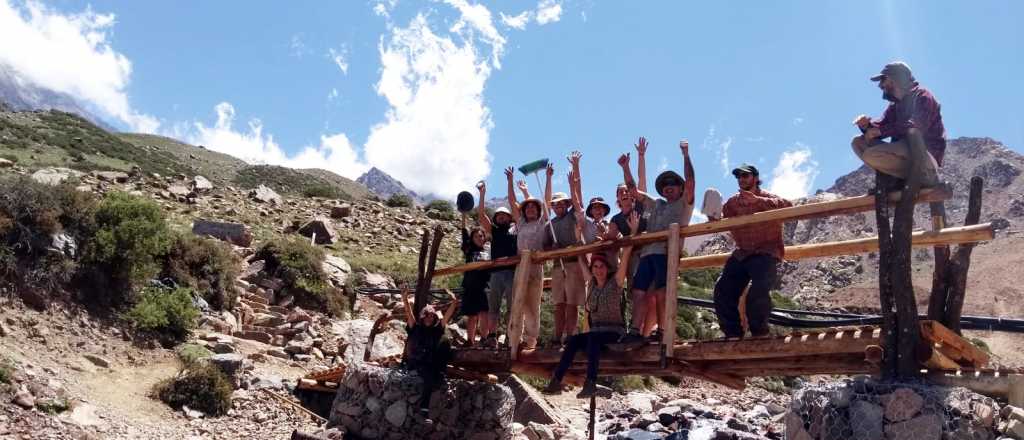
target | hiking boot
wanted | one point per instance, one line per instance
(552, 388)
(632, 339)
(592, 389)
(655, 336)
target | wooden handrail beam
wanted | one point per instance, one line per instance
(960, 234)
(844, 206)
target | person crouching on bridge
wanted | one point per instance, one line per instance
(913, 121)
(604, 315)
(474, 282)
(759, 249)
(676, 207)
(427, 350)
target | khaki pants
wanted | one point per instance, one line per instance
(526, 325)
(568, 285)
(891, 158)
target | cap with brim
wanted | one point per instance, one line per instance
(464, 201)
(501, 210)
(430, 310)
(597, 201)
(559, 197)
(665, 179)
(896, 69)
(745, 168)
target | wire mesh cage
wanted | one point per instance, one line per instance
(866, 409)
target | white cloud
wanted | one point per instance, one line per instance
(515, 21)
(340, 58)
(663, 164)
(333, 94)
(335, 152)
(720, 147)
(435, 133)
(697, 217)
(298, 46)
(794, 175)
(797, 121)
(478, 17)
(548, 11)
(70, 53)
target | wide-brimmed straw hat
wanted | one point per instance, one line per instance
(597, 201)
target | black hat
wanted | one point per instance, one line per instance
(597, 201)
(667, 178)
(465, 202)
(898, 70)
(745, 168)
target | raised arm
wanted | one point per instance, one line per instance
(641, 163)
(524, 189)
(451, 309)
(513, 205)
(550, 171)
(690, 186)
(576, 181)
(410, 318)
(623, 269)
(481, 209)
(627, 175)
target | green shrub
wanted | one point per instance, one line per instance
(53, 406)
(206, 265)
(324, 190)
(30, 212)
(443, 206)
(633, 382)
(166, 312)
(6, 371)
(10, 157)
(203, 388)
(191, 354)
(300, 265)
(131, 237)
(399, 201)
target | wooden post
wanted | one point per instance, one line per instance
(885, 294)
(423, 287)
(940, 278)
(668, 321)
(516, 325)
(593, 417)
(961, 262)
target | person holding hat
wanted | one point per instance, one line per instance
(912, 122)
(759, 249)
(501, 229)
(474, 282)
(604, 315)
(676, 206)
(427, 350)
(568, 287)
(531, 219)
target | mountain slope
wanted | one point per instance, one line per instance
(384, 186)
(20, 94)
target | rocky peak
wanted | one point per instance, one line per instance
(18, 93)
(384, 185)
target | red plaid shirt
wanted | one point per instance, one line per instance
(765, 238)
(919, 109)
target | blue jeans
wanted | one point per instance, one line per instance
(760, 271)
(500, 288)
(592, 342)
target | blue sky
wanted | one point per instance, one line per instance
(442, 93)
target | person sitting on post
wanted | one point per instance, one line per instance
(604, 315)
(531, 223)
(759, 249)
(676, 207)
(501, 229)
(913, 122)
(427, 350)
(474, 282)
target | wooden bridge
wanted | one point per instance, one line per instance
(850, 350)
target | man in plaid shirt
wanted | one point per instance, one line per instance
(759, 249)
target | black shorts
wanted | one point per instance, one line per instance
(474, 301)
(651, 272)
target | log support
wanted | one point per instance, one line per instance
(668, 320)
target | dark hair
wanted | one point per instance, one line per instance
(599, 257)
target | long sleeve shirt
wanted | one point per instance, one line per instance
(919, 109)
(764, 238)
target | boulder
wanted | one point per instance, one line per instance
(234, 233)
(902, 404)
(537, 431)
(97, 360)
(320, 229)
(55, 176)
(530, 405)
(24, 399)
(925, 427)
(299, 345)
(111, 176)
(377, 281)
(337, 270)
(230, 364)
(341, 211)
(264, 194)
(201, 184)
(179, 190)
(868, 419)
(4, 163)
